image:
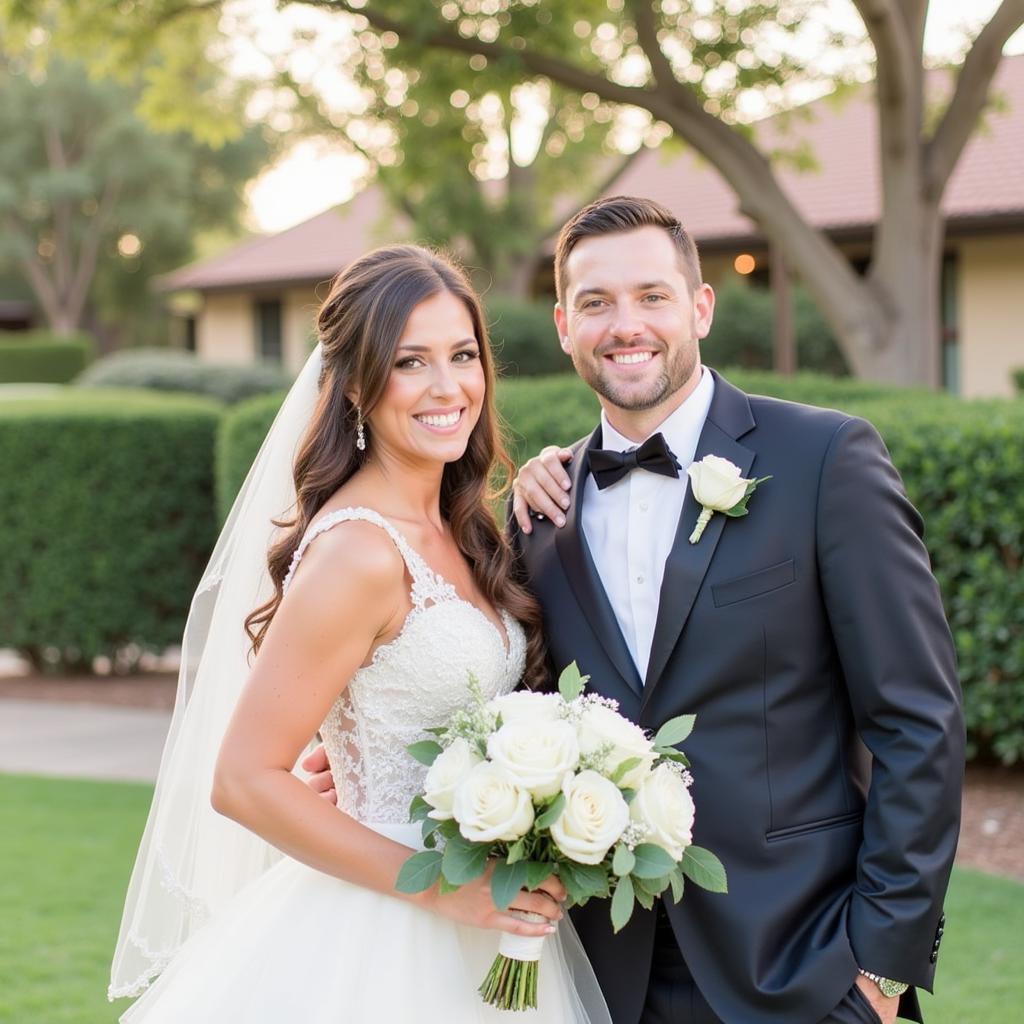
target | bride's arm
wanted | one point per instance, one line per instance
(346, 595)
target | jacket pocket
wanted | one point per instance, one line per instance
(821, 825)
(761, 582)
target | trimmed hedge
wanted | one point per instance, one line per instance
(524, 338)
(173, 370)
(239, 437)
(43, 357)
(963, 467)
(106, 519)
(745, 326)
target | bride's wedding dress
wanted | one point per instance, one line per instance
(297, 945)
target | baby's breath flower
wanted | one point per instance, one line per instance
(635, 833)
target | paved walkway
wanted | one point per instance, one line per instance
(84, 741)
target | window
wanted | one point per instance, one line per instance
(268, 329)
(949, 336)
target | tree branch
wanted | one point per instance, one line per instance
(88, 253)
(63, 257)
(944, 148)
(40, 282)
(647, 35)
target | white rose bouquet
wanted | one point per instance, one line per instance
(555, 783)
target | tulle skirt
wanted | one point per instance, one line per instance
(301, 946)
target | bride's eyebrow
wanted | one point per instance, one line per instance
(420, 349)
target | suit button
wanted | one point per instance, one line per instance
(940, 932)
(933, 957)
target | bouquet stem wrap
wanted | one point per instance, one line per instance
(511, 983)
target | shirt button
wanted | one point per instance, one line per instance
(643, 506)
(639, 579)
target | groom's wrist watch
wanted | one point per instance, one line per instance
(886, 986)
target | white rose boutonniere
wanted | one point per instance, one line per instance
(718, 487)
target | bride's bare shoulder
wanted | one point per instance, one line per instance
(348, 557)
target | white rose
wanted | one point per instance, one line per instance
(444, 775)
(600, 726)
(536, 755)
(594, 818)
(716, 483)
(489, 806)
(663, 804)
(526, 706)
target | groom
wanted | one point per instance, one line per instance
(807, 637)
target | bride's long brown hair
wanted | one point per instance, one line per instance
(360, 325)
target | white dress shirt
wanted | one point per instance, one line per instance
(629, 526)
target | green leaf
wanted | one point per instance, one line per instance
(674, 731)
(652, 861)
(628, 765)
(703, 868)
(622, 904)
(425, 751)
(676, 881)
(506, 881)
(571, 683)
(552, 813)
(645, 899)
(652, 886)
(419, 809)
(419, 872)
(589, 879)
(516, 851)
(537, 872)
(444, 887)
(628, 794)
(671, 754)
(623, 861)
(464, 861)
(449, 829)
(430, 826)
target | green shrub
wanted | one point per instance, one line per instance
(524, 338)
(744, 330)
(1018, 381)
(107, 520)
(39, 356)
(239, 437)
(963, 467)
(172, 370)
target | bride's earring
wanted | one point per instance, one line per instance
(360, 432)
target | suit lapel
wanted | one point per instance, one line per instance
(582, 575)
(687, 564)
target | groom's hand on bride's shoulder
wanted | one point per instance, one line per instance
(320, 778)
(542, 485)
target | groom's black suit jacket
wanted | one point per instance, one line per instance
(809, 639)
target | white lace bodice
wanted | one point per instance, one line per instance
(414, 682)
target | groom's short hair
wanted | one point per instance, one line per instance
(625, 213)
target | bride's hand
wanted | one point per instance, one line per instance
(473, 904)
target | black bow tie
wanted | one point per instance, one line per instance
(653, 455)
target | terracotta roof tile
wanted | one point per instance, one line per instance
(314, 250)
(843, 190)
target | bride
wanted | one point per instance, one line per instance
(387, 588)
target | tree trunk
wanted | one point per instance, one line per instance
(907, 274)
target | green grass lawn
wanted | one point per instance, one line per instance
(66, 849)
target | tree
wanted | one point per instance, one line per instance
(92, 200)
(887, 321)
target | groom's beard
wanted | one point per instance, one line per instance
(678, 367)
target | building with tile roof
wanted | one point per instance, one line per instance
(983, 268)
